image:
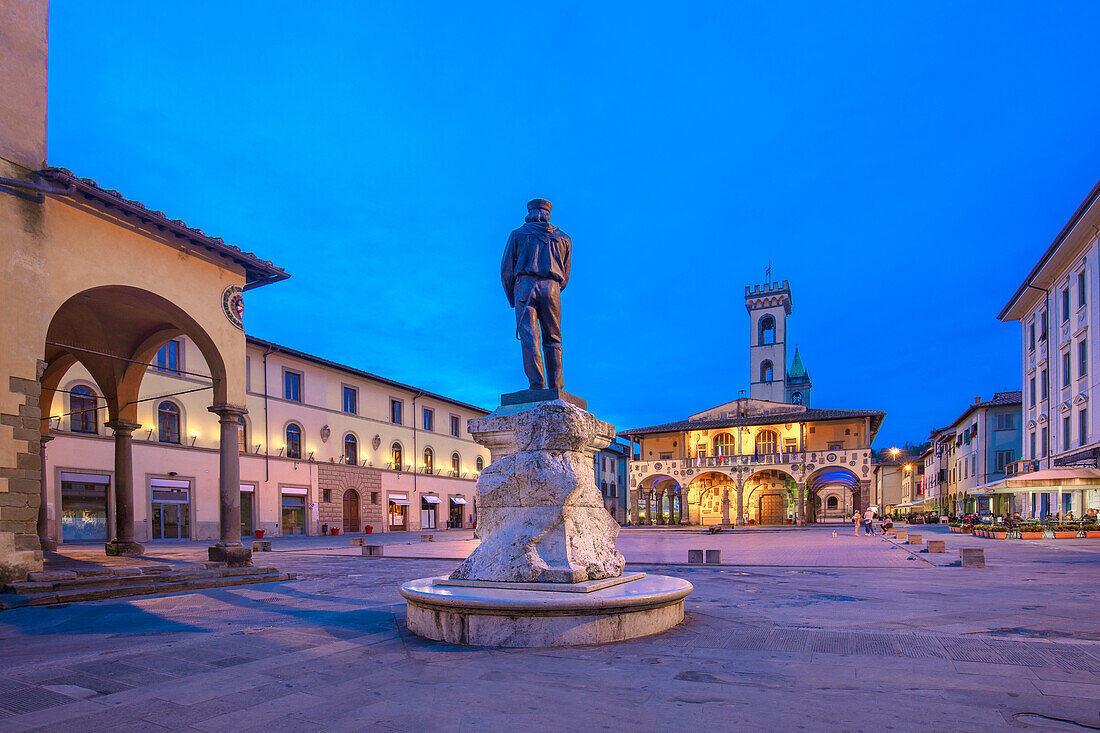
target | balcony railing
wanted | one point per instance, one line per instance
(822, 457)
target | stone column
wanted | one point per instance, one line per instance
(725, 507)
(124, 543)
(48, 543)
(801, 503)
(660, 507)
(229, 549)
(740, 504)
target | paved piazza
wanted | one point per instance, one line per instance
(807, 631)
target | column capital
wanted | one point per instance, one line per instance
(122, 427)
(228, 412)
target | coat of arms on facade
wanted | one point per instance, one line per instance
(233, 305)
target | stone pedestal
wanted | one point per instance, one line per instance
(234, 556)
(541, 517)
(546, 573)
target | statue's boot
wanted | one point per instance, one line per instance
(553, 367)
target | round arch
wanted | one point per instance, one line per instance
(769, 496)
(833, 493)
(705, 494)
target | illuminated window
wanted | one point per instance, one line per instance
(429, 460)
(396, 456)
(293, 441)
(242, 435)
(82, 405)
(480, 463)
(168, 419)
(724, 445)
(351, 450)
(767, 441)
(456, 463)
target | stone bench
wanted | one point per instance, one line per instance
(261, 545)
(357, 541)
(972, 557)
(427, 538)
(915, 539)
(714, 557)
(372, 550)
(937, 546)
(901, 535)
(695, 557)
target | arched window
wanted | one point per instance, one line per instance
(767, 331)
(796, 398)
(242, 435)
(351, 450)
(725, 445)
(766, 371)
(293, 441)
(767, 441)
(168, 422)
(82, 405)
(831, 503)
(456, 463)
(429, 461)
(396, 456)
(480, 463)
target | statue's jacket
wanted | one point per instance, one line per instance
(539, 250)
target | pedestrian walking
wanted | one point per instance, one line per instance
(868, 519)
(856, 518)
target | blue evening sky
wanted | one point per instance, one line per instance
(902, 165)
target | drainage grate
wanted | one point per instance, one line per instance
(7, 685)
(969, 650)
(1072, 660)
(872, 645)
(919, 647)
(831, 642)
(712, 639)
(789, 640)
(748, 639)
(231, 661)
(32, 699)
(1019, 653)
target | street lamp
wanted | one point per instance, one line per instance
(894, 452)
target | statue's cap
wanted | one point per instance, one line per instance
(538, 204)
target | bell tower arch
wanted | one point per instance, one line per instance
(768, 305)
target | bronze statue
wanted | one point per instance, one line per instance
(534, 271)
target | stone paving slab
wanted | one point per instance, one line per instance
(776, 648)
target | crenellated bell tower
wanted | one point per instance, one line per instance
(768, 305)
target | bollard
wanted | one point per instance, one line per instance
(972, 557)
(937, 546)
(714, 557)
(372, 550)
(901, 535)
(916, 539)
(427, 538)
(357, 541)
(695, 557)
(891, 533)
(261, 545)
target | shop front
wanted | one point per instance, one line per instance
(428, 510)
(248, 509)
(398, 513)
(171, 509)
(294, 511)
(84, 507)
(457, 509)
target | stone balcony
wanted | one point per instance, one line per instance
(799, 464)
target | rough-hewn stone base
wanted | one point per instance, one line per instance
(238, 556)
(523, 618)
(114, 548)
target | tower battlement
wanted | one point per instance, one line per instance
(769, 295)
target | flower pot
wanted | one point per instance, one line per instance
(998, 535)
(369, 529)
(1092, 534)
(260, 534)
(335, 531)
(1065, 535)
(1031, 535)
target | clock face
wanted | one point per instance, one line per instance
(233, 305)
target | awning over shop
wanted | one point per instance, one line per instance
(457, 500)
(400, 502)
(1047, 480)
(916, 502)
(431, 499)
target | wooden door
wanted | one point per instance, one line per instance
(351, 511)
(772, 509)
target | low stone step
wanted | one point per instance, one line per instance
(139, 578)
(152, 586)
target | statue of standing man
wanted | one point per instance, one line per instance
(534, 271)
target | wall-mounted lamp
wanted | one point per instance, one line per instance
(283, 448)
(310, 456)
(56, 425)
(194, 437)
(258, 447)
(149, 435)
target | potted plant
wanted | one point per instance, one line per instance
(260, 534)
(335, 531)
(1031, 531)
(998, 531)
(1065, 531)
(1092, 531)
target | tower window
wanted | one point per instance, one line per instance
(796, 398)
(767, 331)
(766, 371)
